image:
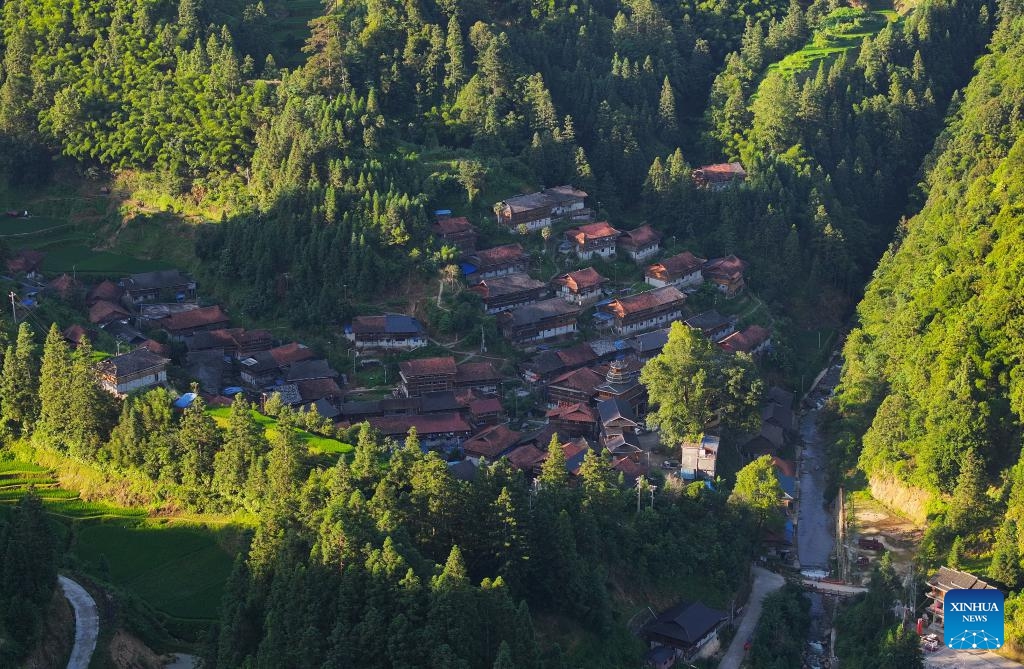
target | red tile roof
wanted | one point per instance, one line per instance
(599, 230)
(584, 380)
(104, 312)
(434, 423)
(631, 470)
(64, 285)
(643, 236)
(492, 442)
(74, 333)
(652, 299)
(577, 356)
(746, 340)
(676, 266)
(155, 347)
(428, 367)
(450, 226)
(194, 318)
(108, 290)
(720, 172)
(527, 457)
(485, 406)
(730, 267)
(476, 372)
(583, 279)
(576, 413)
(290, 353)
(498, 255)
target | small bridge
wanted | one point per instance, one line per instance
(828, 588)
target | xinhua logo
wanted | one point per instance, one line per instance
(973, 619)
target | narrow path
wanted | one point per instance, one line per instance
(765, 582)
(87, 623)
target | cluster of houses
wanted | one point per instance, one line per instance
(152, 316)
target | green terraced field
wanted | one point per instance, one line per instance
(317, 445)
(177, 567)
(843, 29)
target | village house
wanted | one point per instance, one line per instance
(486, 411)
(573, 387)
(682, 271)
(546, 365)
(479, 376)
(727, 274)
(617, 420)
(540, 210)
(233, 342)
(130, 372)
(687, 627)
(640, 243)
(593, 239)
(547, 319)
(65, 287)
(425, 375)
(73, 335)
(502, 293)
(387, 332)
(943, 581)
(106, 291)
(440, 431)
(645, 311)
(495, 261)
(159, 286)
(753, 340)
(26, 261)
(455, 231)
(102, 312)
(712, 324)
(630, 469)
(182, 324)
(491, 443)
(649, 344)
(264, 368)
(699, 458)
(622, 382)
(573, 420)
(580, 287)
(530, 458)
(718, 176)
(785, 472)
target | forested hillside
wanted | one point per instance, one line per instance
(328, 170)
(933, 375)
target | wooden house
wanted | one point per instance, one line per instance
(131, 372)
(719, 176)
(538, 322)
(753, 340)
(182, 324)
(640, 243)
(426, 375)
(726, 274)
(682, 271)
(573, 420)
(645, 311)
(496, 261)
(581, 287)
(541, 209)
(456, 231)
(159, 286)
(387, 332)
(593, 239)
(712, 324)
(502, 293)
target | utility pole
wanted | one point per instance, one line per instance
(14, 311)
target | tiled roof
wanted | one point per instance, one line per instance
(577, 413)
(485, 406)
(156, 347)
(721, 172)
(539, 311)
(676, 266)
(527, 457)
(476, 372)
(290, 353)
(640, 237)
(729, 267)
(650, 341)
(599, 230)
(961, 580)
(427, 367)
(584, 379)
(614, 409)
(439, 423)
(509, 284)
(74, 333)
(652, 299)
(578, 355)
(131, 363)
(103, 311)
(582, 279)
(630, 470)
(310, 369)
(746, 340)
(311, 390)
(160, 279)
(107, 290)
(491, 442)
(708, 321)
(548, 197)
(386, 324)
(64, 285)
(450, 226)
(497, 255)
(193, 318)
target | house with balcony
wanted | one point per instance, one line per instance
(645, 311)
(682, 271)
(712, 324)
(641, 243)
(753, 340)
(426, 375)
(719, 176)
(726, 274)
(455, 231)
(593, 239)
(581, 287)
(495, 261)
(160, 286)
(943, 581)
(502, 293)
(387, 332)
(539, 322)
(131, 372)
(541, 209)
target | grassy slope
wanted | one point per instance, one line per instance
(317, 445)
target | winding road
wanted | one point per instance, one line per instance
(87, 623)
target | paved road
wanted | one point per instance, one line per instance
(815, 524)
(835, 588)
(765, 582)
(87, 623)
(945, 658)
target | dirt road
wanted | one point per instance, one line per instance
(765, 582)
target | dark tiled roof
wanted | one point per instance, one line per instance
(708, 321)
(614, 408)
(961, 580)
(131, 363)
(103, 311)
(441, 423)
(476, 372)
(548, 197)
(640, 237)
(652, 299)
(510, 284)
(729, 267)
(311, 390)
(650, 341)
(310, 369)
(746, 340)
(582, 279)
(386, 324)
(539, 311)
(497, 255)
(193, 318)
(492, 442)
(485, 406)
(687, 622)
(107, 290)
(584, 380)
(74, 333)
(158, 280)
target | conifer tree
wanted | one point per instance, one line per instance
(199, 440)
(55, 391)
(19, 383)
(667, 107)
(89, 419)
(553, 473)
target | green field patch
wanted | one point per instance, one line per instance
(316, 444)
(11, 227)
(844, 29)
(178, 568)
(83, 259)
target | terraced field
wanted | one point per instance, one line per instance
(317, 445)
(179, 567)
(843, 29)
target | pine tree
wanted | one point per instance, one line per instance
(19, 383)
(454, 576)
(504, 658)
(1005, 566)
(55, 387)
(667, 107)
(199, 440)
(553, 473)
(89, 414)
(955, 553)
(455, 67)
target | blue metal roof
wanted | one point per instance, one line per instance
(443, 212)
(467, 268)
(185, 401)
(232, 391)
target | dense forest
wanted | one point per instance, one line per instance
(932, 378)
(328, 169)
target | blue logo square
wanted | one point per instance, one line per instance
(973, 619)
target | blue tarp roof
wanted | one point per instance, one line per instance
(443, 212)
(185, 401)
(602, 316)
(232, 391)
(621, 345)
(467, 268)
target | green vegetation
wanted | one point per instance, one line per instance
(782, 631)
(842, 30)
(317, 444)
